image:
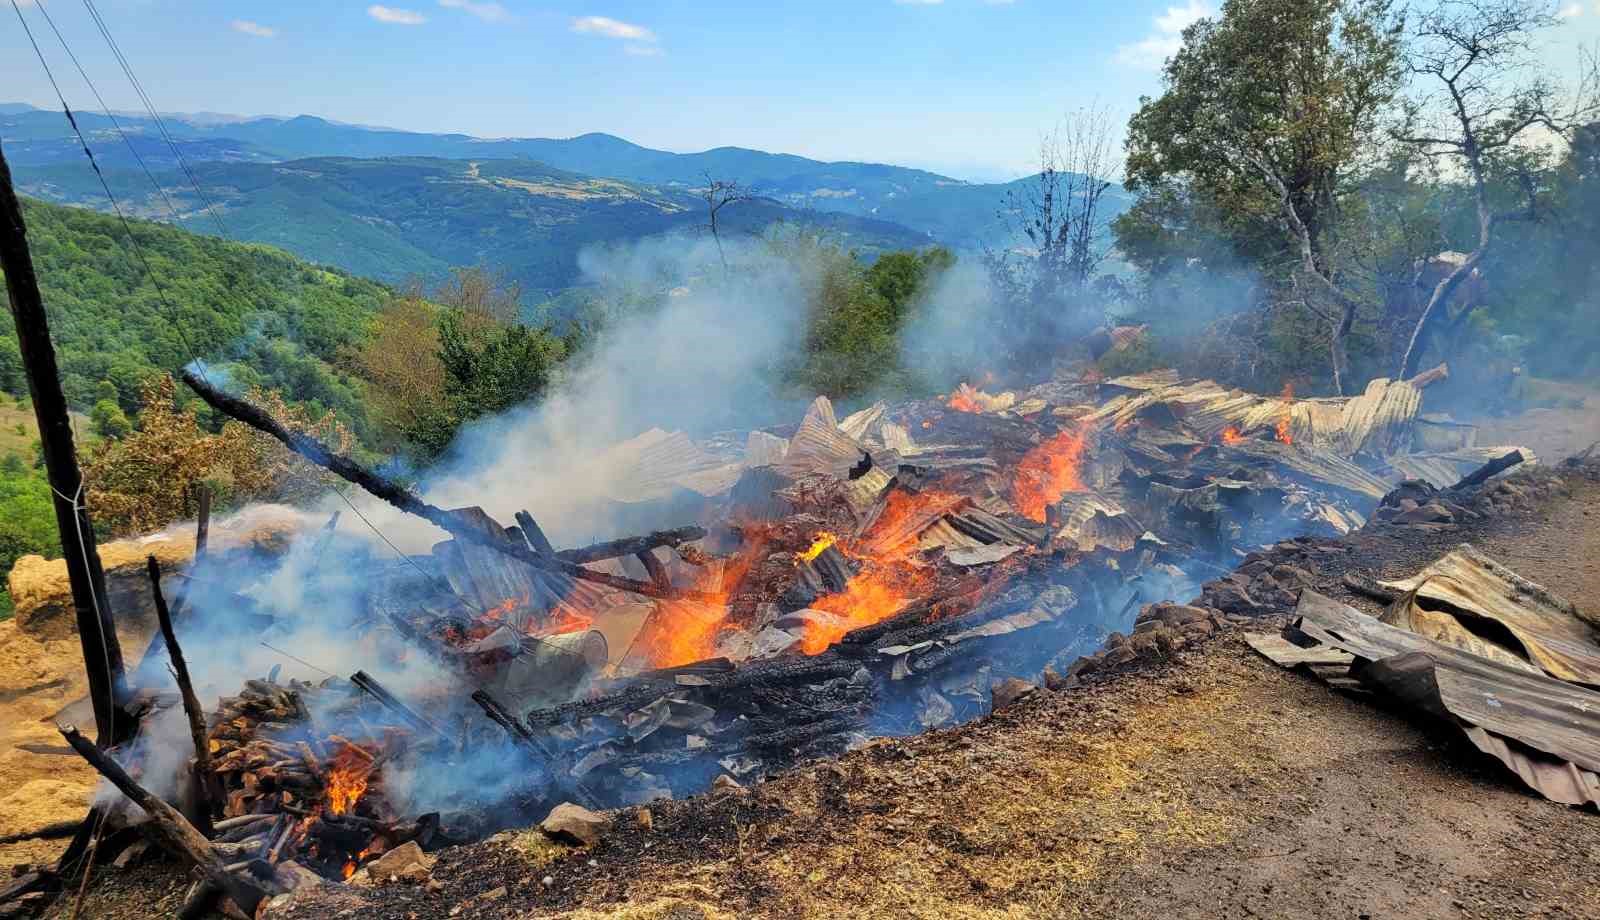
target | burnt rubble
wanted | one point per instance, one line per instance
(882, 574)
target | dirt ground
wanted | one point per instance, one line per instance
(1214, 786)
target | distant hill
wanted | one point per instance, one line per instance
(958, 213)
(394, 218)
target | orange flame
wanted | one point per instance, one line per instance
(1287, 417)
(563, 619)
(964, 399)
(347, 778)
(683, 632)
(1231, 435)
(888, 579)
(871, 597)
(1048, 472)
(823, 541)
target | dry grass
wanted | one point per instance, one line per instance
(1011, 819)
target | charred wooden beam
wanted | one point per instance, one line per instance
(391, 492)
(97, 636)
(205, 779)
(1430, 376)
(392, 703)
(171, 828)
(534, 534)
(1492, 468)
(502, 717)
(630, 546)
(653, 565)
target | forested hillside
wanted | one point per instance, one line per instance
(284, 321)
(404, 217)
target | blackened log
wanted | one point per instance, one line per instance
(206, 786)
(502, 717)
(653, 565)
(534, 534)
(631, 546)
(366, 682)
(171, 828)
(1493, 467)
(60, 830)
(391, 492)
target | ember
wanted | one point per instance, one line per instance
(1048, 472)
(1231, 435)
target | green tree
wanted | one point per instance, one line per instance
(1264, 114)
(108, 420)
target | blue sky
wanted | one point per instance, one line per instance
(965, 87)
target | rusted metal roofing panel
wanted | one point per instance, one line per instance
(1543, 631)
(1533, 722)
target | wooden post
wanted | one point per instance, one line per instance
(102, 655)
(206, 787)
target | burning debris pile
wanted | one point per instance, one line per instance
(840, 579)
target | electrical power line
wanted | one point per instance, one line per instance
(127, 225)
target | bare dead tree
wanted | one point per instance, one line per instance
(718, 194)
(1477, 111)
(1057, 215)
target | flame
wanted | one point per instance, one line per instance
(1286, 418)
(683, 632)
(351, 864)
(347, 778)
(823, 541)
(1231, 435)
(887, 579)
(964, 399)
(1048, 472)
(563, 619)
(870, 597)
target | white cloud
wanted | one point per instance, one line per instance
(254, 28)
(1570, 10)
(1150, 52)
(488, 12)
(394, 16)
(607, 27)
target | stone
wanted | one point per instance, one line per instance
(575, 824)
(727, 785)
(293, 876)
(1009, 691)
(404, 863)
(1431, 513)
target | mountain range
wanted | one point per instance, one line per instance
(394, 204)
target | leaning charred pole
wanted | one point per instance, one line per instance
(392, 492)
(171, 828)
(102, 655)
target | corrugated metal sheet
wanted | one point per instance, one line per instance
(1546, 632)
(1092, 520)
(1546, 731)
(819, 447)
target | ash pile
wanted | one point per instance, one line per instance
(826, 582)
